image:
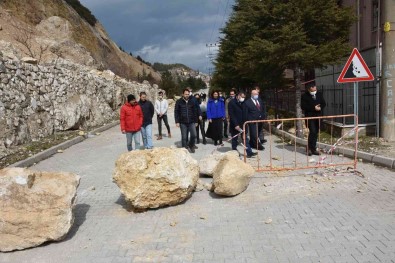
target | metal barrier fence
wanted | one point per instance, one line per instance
(331, 153)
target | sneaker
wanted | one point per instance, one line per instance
(192, 150)
(159, 137)
(195, 147)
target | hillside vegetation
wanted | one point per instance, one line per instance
(66, 29)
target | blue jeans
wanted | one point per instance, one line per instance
(146, 133)
(129, 139)
(185, 128)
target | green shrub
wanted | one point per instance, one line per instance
(84, 12)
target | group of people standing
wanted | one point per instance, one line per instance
(136, 120)
(191, 114)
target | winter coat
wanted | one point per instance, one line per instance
(235, 111)
(161, 106)
(308, 104)
(131, 117)
(186, 112)
(252, 112)
(148, 112)
(215, 110)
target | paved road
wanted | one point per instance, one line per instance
(282, 217)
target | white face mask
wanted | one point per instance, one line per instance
(241, 99)
(313, 92)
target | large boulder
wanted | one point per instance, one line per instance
(35, 207)
(231, 176)
(157, 177)
(210, 162)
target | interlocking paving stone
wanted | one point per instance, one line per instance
(342, 218)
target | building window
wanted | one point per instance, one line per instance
(375, 14)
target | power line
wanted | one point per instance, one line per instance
(215, 23)
(223, 17)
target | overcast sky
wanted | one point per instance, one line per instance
(166, 31)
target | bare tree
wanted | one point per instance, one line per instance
(24, 36)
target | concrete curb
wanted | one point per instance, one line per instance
(367, 157)
(64, 145)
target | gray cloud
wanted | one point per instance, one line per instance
(167, 31)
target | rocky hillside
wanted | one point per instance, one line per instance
(51, 29)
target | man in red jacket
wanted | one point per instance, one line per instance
(131, 122)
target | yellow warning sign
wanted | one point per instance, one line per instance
(387, 26)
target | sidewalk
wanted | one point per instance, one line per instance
(282, 217)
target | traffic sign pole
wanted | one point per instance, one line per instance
(356, 102)
(355, 70)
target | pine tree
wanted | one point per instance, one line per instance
(263, 38)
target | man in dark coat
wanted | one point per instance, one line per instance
(253, 110)
(186, 116)
(148, 112)
(235, 111)
(312, 103)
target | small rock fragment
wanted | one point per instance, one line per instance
(268, 221)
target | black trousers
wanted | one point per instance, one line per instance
(202, 127)
(260, 132)
(314, 129)
(225, 128)
(253, 130)
(164, 118)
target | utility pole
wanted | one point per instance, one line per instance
(211, 57)
(387, 129)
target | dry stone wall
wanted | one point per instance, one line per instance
(37, 100)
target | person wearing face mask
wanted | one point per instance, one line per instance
(215, 116)
(312, 103)
(235, 111)
(186, 116)
(161, 107)
(253, 110)
(131, 120)
(232, 95)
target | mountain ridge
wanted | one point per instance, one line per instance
(56, 27)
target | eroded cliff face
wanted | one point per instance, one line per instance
(37, 100)
(75, 78)
(53, 29)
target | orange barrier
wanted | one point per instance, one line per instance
(330, 153)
